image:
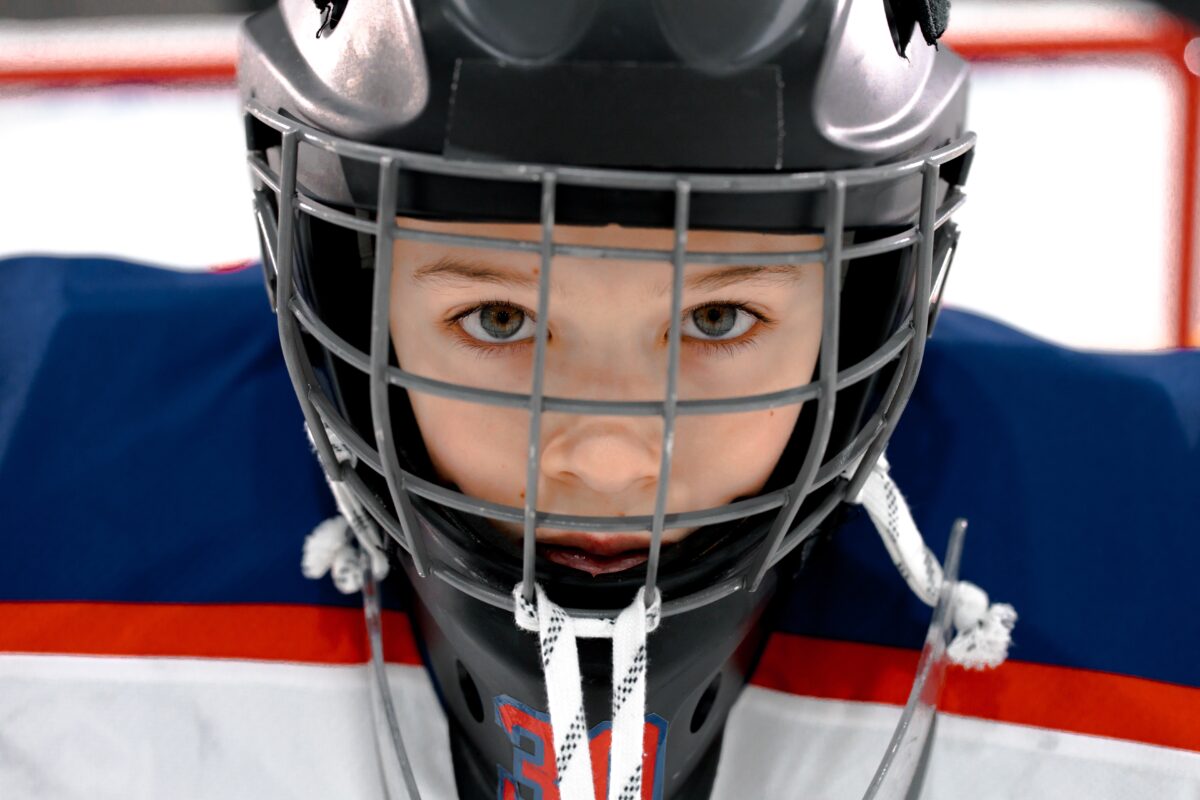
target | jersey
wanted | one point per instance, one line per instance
(157, 638)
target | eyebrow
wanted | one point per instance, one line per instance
(455, 270)
(732, 275)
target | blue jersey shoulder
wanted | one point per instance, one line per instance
(151, 450)
(150, 445)
(1078, 472)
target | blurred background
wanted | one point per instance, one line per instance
(120, 136)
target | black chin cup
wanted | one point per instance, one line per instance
(488, 674)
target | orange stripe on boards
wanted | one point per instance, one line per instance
(248, 631)
(1060, 698)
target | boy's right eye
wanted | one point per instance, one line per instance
(497, 322)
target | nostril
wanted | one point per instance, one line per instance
(605, 461)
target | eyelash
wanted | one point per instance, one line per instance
(726, 347)
(729, 347)
(465, 340)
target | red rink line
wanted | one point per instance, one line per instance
(221, 71)
(1059, 698)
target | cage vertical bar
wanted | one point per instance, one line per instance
(381, 347)
(831, 300)
(927, 227)
(298, 367)
(538, 387)
(683, 194)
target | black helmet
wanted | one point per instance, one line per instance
(376, 122)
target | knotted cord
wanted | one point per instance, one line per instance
(984, 629)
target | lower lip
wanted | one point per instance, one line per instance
(592, 563)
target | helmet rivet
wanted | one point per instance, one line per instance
(1191, 56)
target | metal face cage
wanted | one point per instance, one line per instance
(281, 200)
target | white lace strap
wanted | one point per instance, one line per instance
(564, 693)
(557, 631)
(629, 697)
(984, 630)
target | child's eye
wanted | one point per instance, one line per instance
(717, 322)
(497, 322)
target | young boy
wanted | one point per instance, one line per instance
(598, 313)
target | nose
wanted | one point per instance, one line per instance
(608, 456)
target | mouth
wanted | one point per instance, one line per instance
(592, 563)
(595, 554)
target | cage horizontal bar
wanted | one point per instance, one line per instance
(608, 253)
(829, 471)
(499, 512)
(739, 573)
(889, 350)
(450, 498)
(610, 178)
(621, 408)
(873, 247)
(371, 503)
(263, 171)
(740, 509)
(326, 213)
(886, 244)
(807, 528)
(691, 256)
(348, 436)
(670, 607)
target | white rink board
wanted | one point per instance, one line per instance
(1069, 231)
(157, 175)
(150, 174)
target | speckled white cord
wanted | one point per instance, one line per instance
(557, 632)
(331, 545)
(984, 629)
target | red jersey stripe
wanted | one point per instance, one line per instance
(1062, 698)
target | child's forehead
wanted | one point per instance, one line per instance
(626, 237)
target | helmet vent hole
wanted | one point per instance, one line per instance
(705, 705)
(470, 692)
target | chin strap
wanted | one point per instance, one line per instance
(984, 629)
(557, 634)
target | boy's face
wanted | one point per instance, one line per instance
(467, 316)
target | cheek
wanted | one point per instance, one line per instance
(475, 446)
(722, 457)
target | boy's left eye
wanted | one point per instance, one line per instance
(717, 322)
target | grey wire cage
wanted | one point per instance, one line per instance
(935, 180)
